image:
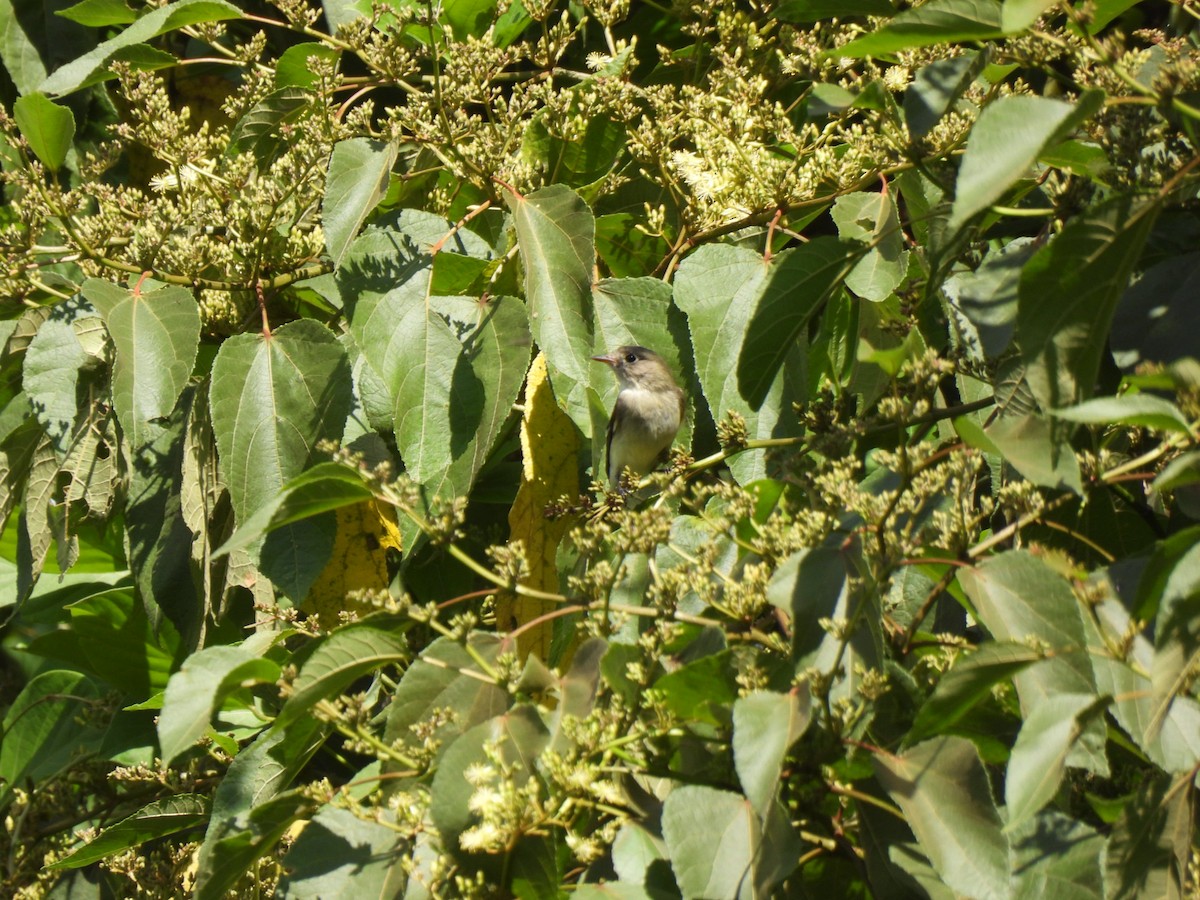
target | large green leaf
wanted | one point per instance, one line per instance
(721, 848)
(984, 302)
(1039, 756)
(273, 398)
(1174, 742)
(1058, 858)
(98, 13)
(195, 693)
(1144, 410)
(765, 725)
(723, 289)
(872, 218)
(356, 182)
(936, 22)
(1005, 143)
(48, 127)
(156, 819)
(340, 854)
(936, 87)
(944, 791)
(89, 67)
(786, 293)
(1017, 597)
(156, 336)
(51, 377)
(1069, 291)
(428, 350)
(35, 40)
(323, 488)
(556, 234)
(970, 681)
(230, 851)
(109, 635)
(816, 10)
(40, 729)
(336, 661)
(445, 676)
(159, 538)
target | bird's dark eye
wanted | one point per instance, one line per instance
(630, 357)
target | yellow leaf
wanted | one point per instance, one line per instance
(550, 469)
(365, 531)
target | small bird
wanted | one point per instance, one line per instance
(647, 414)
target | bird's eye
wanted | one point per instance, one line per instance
(630, 357)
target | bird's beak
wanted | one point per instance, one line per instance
(610, 360)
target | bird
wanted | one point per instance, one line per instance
(647, 414)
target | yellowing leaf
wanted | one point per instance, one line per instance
(365, 531)
(549, 447)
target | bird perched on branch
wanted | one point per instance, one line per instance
(647, 414)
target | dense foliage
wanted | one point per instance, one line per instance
(307, 585)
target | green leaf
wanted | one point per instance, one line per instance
(156, 336)
(51, 377)
(1031, 446)
(700, 690)
(936, 22)
(261, 130)
(728, 291)
(1174, 744)
(1153, 319)
(272, 400)
(1039, 756)
(340, 854)
(1060, 858)
(719, 847)
(41, 735)
(789, 291)
(478, 355)
(808, 586)
(90, 67)
(196, 692)
(159, 538)
(1069, 291)
(336, 661)
(291, 69)
(357, 180)
(436, 680)
(521, 737)
(228, 853)
(1017, 15)
(765, 725)
(323, 488)
(99, 13)
(580, 161)
(157, 819)
(1179, 472)
(936, 87)
(1017, 597)
(1143, 410)
(48, 127)
(944, 792)
(262, 770)
(1005, 142)
(970, 681)
(556, 234)
(428, 349)
(110, 636)
(873, 219)
(984, 302)
(816, 10)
